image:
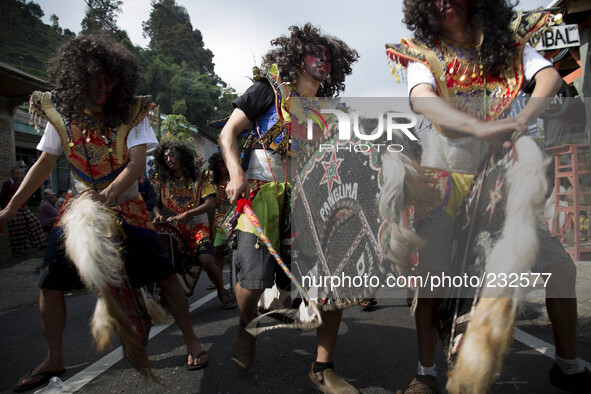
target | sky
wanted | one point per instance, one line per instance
(238, 32)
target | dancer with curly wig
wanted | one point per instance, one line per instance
(465, 52)
(103, 130)
(186, 196)
(309, 64)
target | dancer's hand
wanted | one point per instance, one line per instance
(498, 133)
(440, 112)
(96, 196)
(237, 187)
(157, 219)
(180, 217)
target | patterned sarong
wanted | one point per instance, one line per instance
(25, 231)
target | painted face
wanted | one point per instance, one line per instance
(450, 12)
(318, 64)
(171, 161)
(223, 171)
(100, 88)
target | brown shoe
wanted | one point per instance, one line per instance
(243, 349)
(422, 384)
(328, 381)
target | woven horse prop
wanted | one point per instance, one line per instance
(92, 238)
(368, 219)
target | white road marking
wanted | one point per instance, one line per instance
(537, 344)
(78, 381)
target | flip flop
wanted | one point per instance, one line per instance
(44, 377)
(368, 304)
(196, 357)
(230, 303)
(211, 287)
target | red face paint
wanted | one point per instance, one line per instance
(319, 64)
(99, 89)
(170, 161)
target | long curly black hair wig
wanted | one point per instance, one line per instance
(305, 40)
(182, 153)
(81, 58)
(494, 16)
(216, 162)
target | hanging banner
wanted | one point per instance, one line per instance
(556, 37)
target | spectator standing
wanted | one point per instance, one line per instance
(24, 229)
(49, 212)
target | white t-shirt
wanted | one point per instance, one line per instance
(142, 133)
(532, 63)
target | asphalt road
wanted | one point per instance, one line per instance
(376, 350)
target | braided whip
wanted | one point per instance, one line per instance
(243, 206)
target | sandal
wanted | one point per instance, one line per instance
(33, 380)
(368, 304)
(230, 303)
(211, 287)
(197, 357)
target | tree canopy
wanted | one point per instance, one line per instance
(102, 15)
(171, 34)
(176, 68)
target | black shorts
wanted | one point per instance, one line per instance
(145, 259)
(204, 247)
(255, 267)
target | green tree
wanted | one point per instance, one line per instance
(55, 23)
(198, 91)
(178, 71)
(68, 34)
(102, 15)
(176, 127)
(171, 34)
(179, 89)
(158, 71)
(224, 103)
(33, 9)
